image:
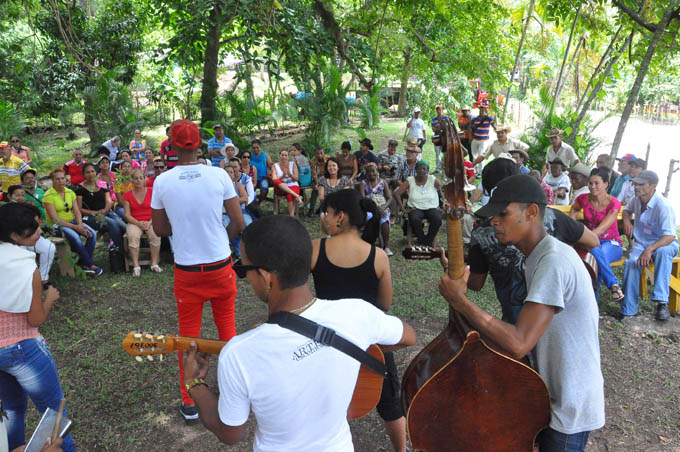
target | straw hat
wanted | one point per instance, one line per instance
(555, 132)
(507, 129)
(412, 145)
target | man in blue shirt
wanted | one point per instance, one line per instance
(655, 241)
(364, 156)
(624, 168)
(216, 143)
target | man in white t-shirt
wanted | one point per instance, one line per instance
(559, 150)
(187, 204)
(298, 389)
(416, 128)
(559, 302)
(559, 182)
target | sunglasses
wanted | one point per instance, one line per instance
(242, 270)
(158, 167)
(15, 141)
(67, 208)
(245, 156)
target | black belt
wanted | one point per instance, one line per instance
(204, 267)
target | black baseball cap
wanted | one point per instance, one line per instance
(518, 188)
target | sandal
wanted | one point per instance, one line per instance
(136, 271)
(617, 294)
(156, 269)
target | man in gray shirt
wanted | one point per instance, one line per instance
(558, 323)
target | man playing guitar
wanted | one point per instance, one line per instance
(299, 389)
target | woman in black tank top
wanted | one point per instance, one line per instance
(340, 271)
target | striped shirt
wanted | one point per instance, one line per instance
(10, 171)
(215, 144)
(481, 126)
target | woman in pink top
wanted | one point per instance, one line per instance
(19, 150)
(27, 368)
(600, 212)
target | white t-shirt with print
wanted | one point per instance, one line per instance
(559, 182)
(417, 128)
(193, 197)
(298, 389)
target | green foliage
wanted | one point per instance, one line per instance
(11, 121)
(584, 144)
(325, 107)
(241, 116)
(108, 103)
(427, 95)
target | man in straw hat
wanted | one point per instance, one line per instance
(578, 176)
(408, 167)
(559, 149)
(503, 143)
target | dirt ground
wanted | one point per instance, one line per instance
(119, 404)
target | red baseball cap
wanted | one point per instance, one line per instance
(184, 134)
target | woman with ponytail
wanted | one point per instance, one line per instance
(348, 265)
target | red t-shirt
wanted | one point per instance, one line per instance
(140, 212)
(169, 155)
(75, 171)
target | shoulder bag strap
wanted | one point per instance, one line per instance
(326, 336)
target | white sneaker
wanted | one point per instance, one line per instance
(389, 252)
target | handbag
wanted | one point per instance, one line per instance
(116, 260)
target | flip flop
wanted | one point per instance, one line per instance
(156, 269)
(617, 294)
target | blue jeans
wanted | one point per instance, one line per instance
(115, 231)
(27, 369)
(236, 242)
(85, 252)
(663, 264)
(609, 251)
(550, 440)
(263, 185)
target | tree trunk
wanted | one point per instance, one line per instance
(403, 89)
(212, 53)
(566, 74)
(519, 51)
(598, 86)
(564, 60)
(91, 125)
(597, 70)
(637, 84)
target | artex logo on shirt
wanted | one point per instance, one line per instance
(306, 350)
(189, 175)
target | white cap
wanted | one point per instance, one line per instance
(416, 110)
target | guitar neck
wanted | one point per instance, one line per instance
(204, 345)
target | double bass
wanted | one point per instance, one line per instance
(460, 394)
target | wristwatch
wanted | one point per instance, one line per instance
(195, 382)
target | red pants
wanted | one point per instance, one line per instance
(279, 192)
(192, 290)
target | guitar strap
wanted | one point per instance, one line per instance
(326, 336)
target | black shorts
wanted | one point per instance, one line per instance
(389, 406)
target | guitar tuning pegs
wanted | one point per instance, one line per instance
(137, 336)
(149, 357)
(160, 358)
(138, 358)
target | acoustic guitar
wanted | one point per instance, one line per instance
(366, 391)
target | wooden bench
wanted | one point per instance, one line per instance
(648, 273)
(63, 256)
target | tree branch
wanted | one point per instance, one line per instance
(422, 42)
(635, 16)
(333, 28)
(232, 38)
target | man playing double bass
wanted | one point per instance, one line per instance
(558, 322)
